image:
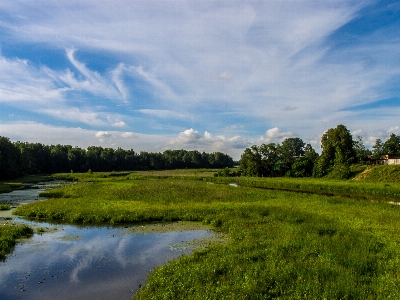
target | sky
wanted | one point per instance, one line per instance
(197, 75)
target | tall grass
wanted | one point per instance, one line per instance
(282, 245)
(386, 174)
(9, 233)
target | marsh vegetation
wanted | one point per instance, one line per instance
(289, 239)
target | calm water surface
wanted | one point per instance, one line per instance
(73, 262)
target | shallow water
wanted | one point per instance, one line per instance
(28, 195)
(71, 262)
(75, 262)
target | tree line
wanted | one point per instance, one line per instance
(293, 158)
(21, 158)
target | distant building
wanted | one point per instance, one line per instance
(386, 159)
(391, 159)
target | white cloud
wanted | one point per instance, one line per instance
(128, 135)
(46, 91)
(22, 82)
(275, 135)
(188, 136)
(75, 136)
(207, 135)
(164, 114)
(74, 114)
(395, 130)
(119, 124)
(109, 86)
(274, 62)
(103, 134)
(192, 140)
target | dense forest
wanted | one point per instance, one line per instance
(17, 159)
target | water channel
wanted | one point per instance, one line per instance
(86, 262)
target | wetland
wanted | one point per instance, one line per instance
(337, 240)
(63, 261)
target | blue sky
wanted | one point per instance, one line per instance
(206, 75)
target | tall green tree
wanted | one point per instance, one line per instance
(10, 164)
(77, 159)
(270, 159)
(289, 151)
(35, 158)
(303, 166)
(250, 162)
(361, 151)
(59, 159)
(377, 149)
(337, 148)
(392, 145)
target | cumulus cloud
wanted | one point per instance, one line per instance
(192, 140)
(395, 130)
(102, 135)
(188, 136)
(275, 135)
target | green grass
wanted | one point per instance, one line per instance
(4, 206)
(378, 191)
(9, 233)
(282, 244)
(385, 174)
(7, 187)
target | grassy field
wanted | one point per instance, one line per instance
(282, 244)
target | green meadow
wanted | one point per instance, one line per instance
(287, 238)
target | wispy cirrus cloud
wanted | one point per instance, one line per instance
(162, 67)
(164, 114)
(46, 91)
